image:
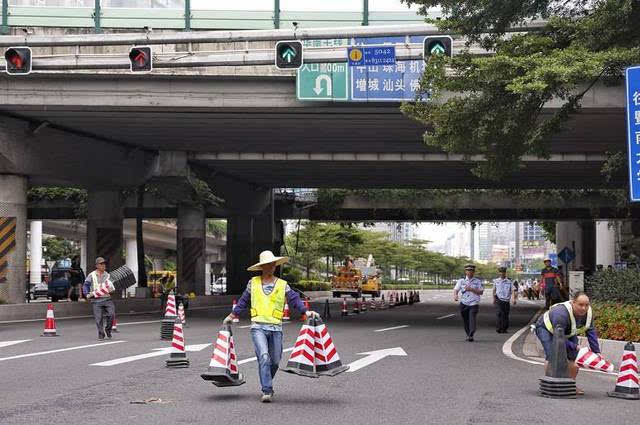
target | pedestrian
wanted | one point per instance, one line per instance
(576, 318)
(471, 290)
(549, 276)
(265, 296)
(103, 308)
(503, 295)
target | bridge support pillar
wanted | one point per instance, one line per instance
(606, 243)
(104, 229)
(35, 251)
(247, 236)
(131, 258)
(191, 247)
(13, 237)
(579, 236)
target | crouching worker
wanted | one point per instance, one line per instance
(576, 318)
(265, 296)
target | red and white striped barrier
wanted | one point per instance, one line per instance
(181, 315)
(588, 359)
(178, 356)
(223, 368)
(170, 310)
(233, 307)
(286, 315)
(628, 384)
(302, 359)
(50, 323)
(103, 290)
(327, 360)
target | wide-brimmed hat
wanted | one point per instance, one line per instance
(267, 257)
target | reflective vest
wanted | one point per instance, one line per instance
(94, 282)
(574, 330)
(267, 308)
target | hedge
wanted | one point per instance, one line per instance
(622, 286)
(312, 285)
(617, 321)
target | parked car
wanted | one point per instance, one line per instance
(40, 290)
(59, 286)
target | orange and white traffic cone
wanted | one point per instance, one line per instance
(170, 310)
(286, 313)
(223, 368)
(301, 362)
(181, 315)
(169, 319)
(114, 324)
(344, 311)
(392, 301)
(327, 360)
(178, 356)
(50, 323)
(236, 319)
(627, 385)
(306, 305)
(588, 359)
(356, 307)
(363, 306)
(373, 304)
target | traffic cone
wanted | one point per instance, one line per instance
(50, 323)
(588, 359)
(373, 304)
(418, 296)
(236, 319)
(327, 360)
(356, 307)
(181, 315)
(344, 311)
(627, 383)
(411, 298)
(392, 301)
(223, 367)
(169, 319)
(114, 324)
(285, 315)
(306, 305)
(363, 306)
(301, 362)
(556, 382)
(178, 356)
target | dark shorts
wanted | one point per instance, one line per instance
(546, 339)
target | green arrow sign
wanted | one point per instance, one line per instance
(288, 54)
(437, 49)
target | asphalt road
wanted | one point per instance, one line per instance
(442, 380)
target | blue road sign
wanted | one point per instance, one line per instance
(633, 130)
(390, 83)
(379, 55)
(566, 255)
(554, 259)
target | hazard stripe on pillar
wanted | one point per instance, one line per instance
(7, 243)
(108, 242)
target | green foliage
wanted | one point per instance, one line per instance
(549, 228)
(622, 286)
(312, 285)
(292, 275)
(217, 228)
(77, 196)
(170, 266)
(3, 301)
(493, 105)
(56, 248)
(617, 321)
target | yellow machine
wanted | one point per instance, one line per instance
(160, 281)
(356, 282)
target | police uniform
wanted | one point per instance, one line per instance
(469, 302)
(503, 289)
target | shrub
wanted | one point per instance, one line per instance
(621, 286)
(312, 285)
(3, 301)
(617, 321)
(292, 275)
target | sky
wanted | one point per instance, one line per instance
(302, 5)
(437, 234)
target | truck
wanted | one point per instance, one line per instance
(357, 281)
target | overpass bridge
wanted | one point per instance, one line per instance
(243, 134)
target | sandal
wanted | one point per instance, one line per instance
(579, 391)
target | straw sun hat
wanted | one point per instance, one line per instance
(267, 257)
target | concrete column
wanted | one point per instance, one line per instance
(104, 228)
(35, 249)
(580, 237)
(207, 278)
(605, 243)
(83, 256)
(191, 249)
(13, 237)
(131, 258)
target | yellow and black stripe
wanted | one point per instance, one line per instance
(7, 243)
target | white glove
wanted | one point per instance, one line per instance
(312, 314)
(228, 319)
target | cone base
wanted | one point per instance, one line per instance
(223, 380)
(625, 396)
(333, 372)
(300, 372)
(49, 334)
(177, 363)
(553, 395)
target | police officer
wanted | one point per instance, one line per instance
(471, 290)
(551, 279)
(503, 294)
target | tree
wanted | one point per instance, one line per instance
(56, 248)
(494, 103)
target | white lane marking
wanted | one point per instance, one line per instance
(374, 356)
(138, 323)
(251, 359)
(60, 350)
(156, 353)
(444, 317)
(8, 343)
(390, 329)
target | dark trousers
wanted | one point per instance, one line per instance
(103, 312)
(469, 313)
(502, 315)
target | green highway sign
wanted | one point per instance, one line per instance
(323, 81)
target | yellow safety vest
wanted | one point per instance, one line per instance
(574, 330)
(95, 284)
(267, 308)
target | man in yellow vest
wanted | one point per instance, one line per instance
(103, 308)
(265, 296)
(576, 317)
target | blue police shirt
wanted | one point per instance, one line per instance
(468, 297)
(503, 288)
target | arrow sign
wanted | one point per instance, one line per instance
(437, 49)
(318, 88)
(288, 54)
(157, 352)
(374, 356)
(140, 59)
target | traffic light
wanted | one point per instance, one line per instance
(141, 59)
(18, 60)
(437, 45)
(288, 54)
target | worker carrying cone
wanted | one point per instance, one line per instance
(178, 355)
(223, 368)
(627, 385)
(266, 296)
(50, 323)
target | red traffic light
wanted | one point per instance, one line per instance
(141, 59)
(18, 60)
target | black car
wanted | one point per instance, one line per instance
(59, 285)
